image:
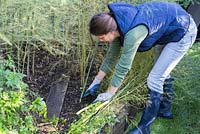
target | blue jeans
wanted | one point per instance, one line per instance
(169, 56)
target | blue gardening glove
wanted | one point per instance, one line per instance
(103, 97)
(93, 87)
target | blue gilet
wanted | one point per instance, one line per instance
(166, 22)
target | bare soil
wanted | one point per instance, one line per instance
(47, 71)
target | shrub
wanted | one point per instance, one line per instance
(15, 107)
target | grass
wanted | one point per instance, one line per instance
(186, 104)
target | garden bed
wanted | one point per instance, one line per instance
(46, 77)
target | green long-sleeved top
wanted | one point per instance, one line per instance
(132, 41)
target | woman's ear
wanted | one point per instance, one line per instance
(116, 33)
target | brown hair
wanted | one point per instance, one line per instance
(102, 23)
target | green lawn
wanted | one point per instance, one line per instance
(186, 105)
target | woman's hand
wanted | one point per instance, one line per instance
(107, 95)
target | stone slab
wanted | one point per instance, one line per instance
(56, 97)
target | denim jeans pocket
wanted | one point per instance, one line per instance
(187, 41)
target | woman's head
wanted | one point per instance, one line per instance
(102, 24)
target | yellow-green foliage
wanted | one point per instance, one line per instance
(15, 107)
(58, 24)
(93, 119)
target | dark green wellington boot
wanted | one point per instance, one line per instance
(149, 114)
(166, 100)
